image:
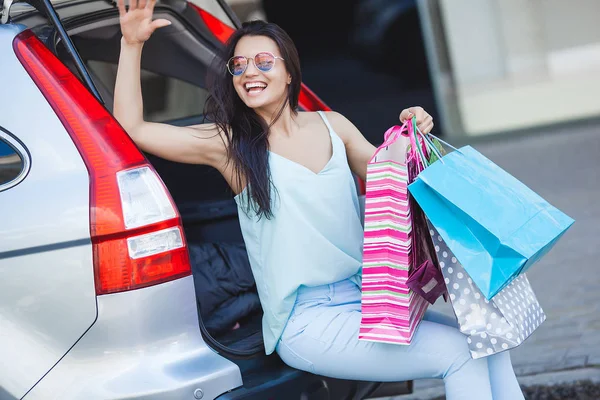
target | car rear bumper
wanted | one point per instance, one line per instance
(145, 344)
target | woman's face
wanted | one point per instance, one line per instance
(256, 88)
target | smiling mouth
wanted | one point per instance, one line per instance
(255, 87)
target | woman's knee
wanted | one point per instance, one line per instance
(462, 361)
(446, 345)
(458, 358)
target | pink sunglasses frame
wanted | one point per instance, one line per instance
(254, 61)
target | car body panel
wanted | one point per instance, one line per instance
(47, 294)
(145, 345)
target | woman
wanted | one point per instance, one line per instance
(299, 212)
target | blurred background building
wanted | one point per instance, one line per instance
(479, 66)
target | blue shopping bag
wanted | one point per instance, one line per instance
(495, 225)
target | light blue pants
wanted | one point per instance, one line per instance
(321, 336)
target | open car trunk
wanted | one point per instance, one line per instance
(175, 62)
(174, 67)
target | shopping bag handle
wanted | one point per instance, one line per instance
(416, 136)
(389, 137)
(392, 134)
(432, 145)
(426, 136)
(415, 145)
(409, 128)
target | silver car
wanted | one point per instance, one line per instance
(97, 296)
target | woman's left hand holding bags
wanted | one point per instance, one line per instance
(424, 120)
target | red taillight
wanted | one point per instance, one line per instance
(109, 152)
(220, 29)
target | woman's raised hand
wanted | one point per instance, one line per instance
(136, 23)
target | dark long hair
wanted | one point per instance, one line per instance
(246, 133)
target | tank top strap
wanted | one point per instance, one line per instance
(336, 141)
(329, 127)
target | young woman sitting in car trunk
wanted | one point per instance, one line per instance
(299, 211)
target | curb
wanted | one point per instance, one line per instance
(561, 377)
(543, 379)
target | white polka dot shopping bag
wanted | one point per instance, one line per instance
(491, 326)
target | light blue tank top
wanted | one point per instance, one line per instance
(314, 238)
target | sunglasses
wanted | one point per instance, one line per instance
(264, 61)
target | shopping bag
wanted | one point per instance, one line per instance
(425, 278)
(495, 325)
(390, 311)
(427, 281)
(495, 225)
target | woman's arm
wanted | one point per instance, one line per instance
(194, 145)
(358, 149)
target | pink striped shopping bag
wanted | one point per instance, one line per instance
(391, 311)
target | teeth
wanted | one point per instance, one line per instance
(255, 84)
